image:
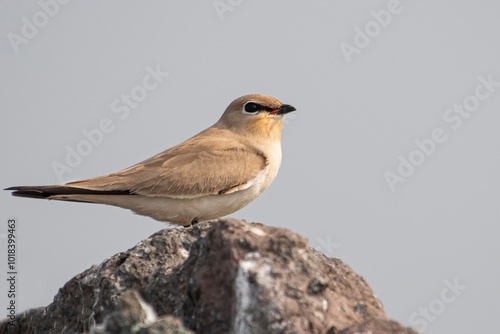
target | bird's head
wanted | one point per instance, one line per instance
(255, 114)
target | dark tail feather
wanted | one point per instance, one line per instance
(47, 191)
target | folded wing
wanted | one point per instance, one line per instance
(185, 175)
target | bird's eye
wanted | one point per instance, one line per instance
(251, 108)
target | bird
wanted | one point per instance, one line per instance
(210, 175)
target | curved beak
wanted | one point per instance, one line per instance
(283, 109)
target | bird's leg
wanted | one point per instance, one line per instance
(193, 222)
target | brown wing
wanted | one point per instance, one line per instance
(203, 165)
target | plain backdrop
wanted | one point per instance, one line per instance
(357, 118)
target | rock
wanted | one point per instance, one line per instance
(375, 326)
(135, 316)
(226, 276)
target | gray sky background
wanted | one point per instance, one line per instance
(355, 118)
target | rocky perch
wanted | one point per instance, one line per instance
(226, 276)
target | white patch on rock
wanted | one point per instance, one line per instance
(257, 267)
(257, 231)
(148, 311)
(184, 253)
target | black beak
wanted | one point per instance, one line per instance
(285, 109)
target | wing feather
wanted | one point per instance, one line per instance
(203, 165)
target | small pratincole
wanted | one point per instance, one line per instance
(213, 174)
